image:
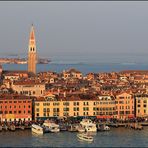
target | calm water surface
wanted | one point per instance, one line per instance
(117, 137)
(84, 68)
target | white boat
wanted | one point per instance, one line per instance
(88, 125)
(50, 126)
(103, 127)
(37, 129)
(85, 137)
(80, 129)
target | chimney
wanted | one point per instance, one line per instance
(64, 94)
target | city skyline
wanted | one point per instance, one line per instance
(63, 30)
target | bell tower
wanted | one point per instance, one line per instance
(32, 53)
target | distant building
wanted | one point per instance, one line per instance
(32, 53)
(29, 88)
(1, 70)
(72, 73)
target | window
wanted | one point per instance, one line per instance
(121, 97)
(29, 111)
(37, 109)
(121, 112)
(144, 101)
(56, 109)
(66, 103)
(37, 104)
(86, 108)
(144, 105)
(19, 112)
(48, 104)
(37, 114)
(55, 103)
(10, 112)
(65, 109)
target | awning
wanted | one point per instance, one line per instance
(131, 116)
(104, 117)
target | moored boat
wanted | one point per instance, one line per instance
(12, 128)
(0, 128)
(88, 125)
(37, 129)
(72, 128)
(5, 127)
(81, 129)
(50, 126)
(103, 127)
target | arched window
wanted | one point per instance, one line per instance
(31, 49)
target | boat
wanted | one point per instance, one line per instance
(72, 128)
(88, 125)
(81, 129)
(37, 129)
(0, 128)
(22, 127)
(63, 127)
(5, 127)
(85, 137)
(12, 128)
(50, 126)
(103, 127)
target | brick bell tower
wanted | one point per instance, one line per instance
(32, 53)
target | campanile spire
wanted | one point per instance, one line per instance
(32, 53)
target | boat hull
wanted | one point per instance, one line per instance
(81, 137)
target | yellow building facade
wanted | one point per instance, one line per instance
(76, 107)
(141, 106)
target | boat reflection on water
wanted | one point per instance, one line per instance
(91, 133)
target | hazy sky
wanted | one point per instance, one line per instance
(87, 29)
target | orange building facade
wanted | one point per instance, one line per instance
(15, 108)
(125, 106)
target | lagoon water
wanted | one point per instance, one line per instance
(83, 67)
(116, 137)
